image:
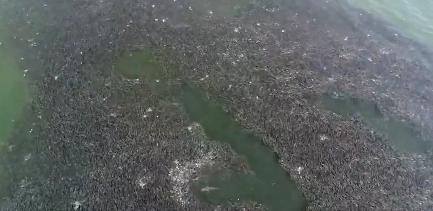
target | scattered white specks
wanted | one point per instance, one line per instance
(10, 147)
(141, 184)
(27, 157)
(323, 137)
(142, 181)
(23, 183)
(183, 172)
(77, 205)
(299, 169)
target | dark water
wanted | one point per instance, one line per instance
(267, 184)
(399, 134)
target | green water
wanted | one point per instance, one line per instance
(399, 134)
(13, 92)
(269, 185)
(413, 17)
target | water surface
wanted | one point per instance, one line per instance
(13, 91)
(268, 184)
(399, 134)
(413, 17)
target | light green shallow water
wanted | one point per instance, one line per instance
(13, 92)
(413, 17)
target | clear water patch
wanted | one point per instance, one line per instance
(399, 134)
(14, 92)
(267, 184)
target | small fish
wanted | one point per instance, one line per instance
(207, 189)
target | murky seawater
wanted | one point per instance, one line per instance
(413, 17)
(268, 184)
(399, 134)
(13, 91)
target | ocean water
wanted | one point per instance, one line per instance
(414, 18)
(13, 91)
(268, 184)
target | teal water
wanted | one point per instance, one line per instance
(269, 185)
(413, 17)
(14, 93)
(400, 135)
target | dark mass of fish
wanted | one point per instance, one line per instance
(103, 141)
